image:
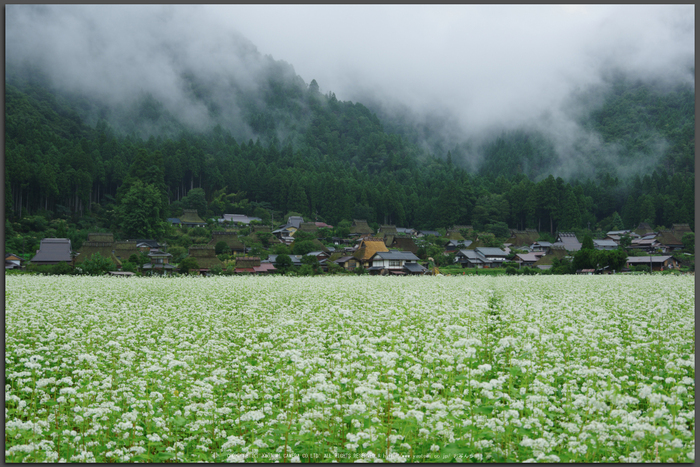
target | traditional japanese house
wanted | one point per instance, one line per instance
(230, 237)
(160, 262)
(53, 251)
(205, 257)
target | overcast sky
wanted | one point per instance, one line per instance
(486, 65)
(484, 62)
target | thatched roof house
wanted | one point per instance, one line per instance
(247, 262)
(191, 218)
(643, 228)
(205, 257)
(680, 229)
(403, 244)
(669, 240)
(360, 227)
(125, 248)
(523, 237)
(229, 237)
(102, 243)
(455, 233)
(368, 247)
(309, 227)
(545, 262)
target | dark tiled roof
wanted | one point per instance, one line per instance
(414, 267)
(53, 250)
(396, 255)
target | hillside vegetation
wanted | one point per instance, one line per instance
(72, 158)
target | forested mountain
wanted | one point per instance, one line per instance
(289, 148)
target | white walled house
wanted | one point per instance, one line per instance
(394, 262)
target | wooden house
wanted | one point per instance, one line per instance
(349, 263)
(391, 262)
(527, 259)
(160, 262)
(367, 248)
(657, 263)
(13, 261)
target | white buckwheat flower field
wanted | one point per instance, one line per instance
(350, 369)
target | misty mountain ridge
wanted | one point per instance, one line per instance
(623, 127)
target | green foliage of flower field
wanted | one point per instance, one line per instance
(398, 369)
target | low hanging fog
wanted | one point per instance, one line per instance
(478, 70)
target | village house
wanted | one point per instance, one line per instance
(425, 233)
(545, 262)
(190, 218)
(668, 241)
(408, 231)
(648, 243)
(230, 237)
(367, 248)
(123, 249)
(308, 227)
(403, 244)
(394, 262)
(495, 255)
(528, 259)
(102, 243)
(472, 259)
(13, 261)
(643, 229)
(568, 240)
(657, 263)
(349, 263)
(542, 246)
(53, 251)
(455, 245)
(604, 244)
(205, 256)
(360, 228)
(481, 257)
(521, 238)
(253, 265)
(320, 255)
(160, 262)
